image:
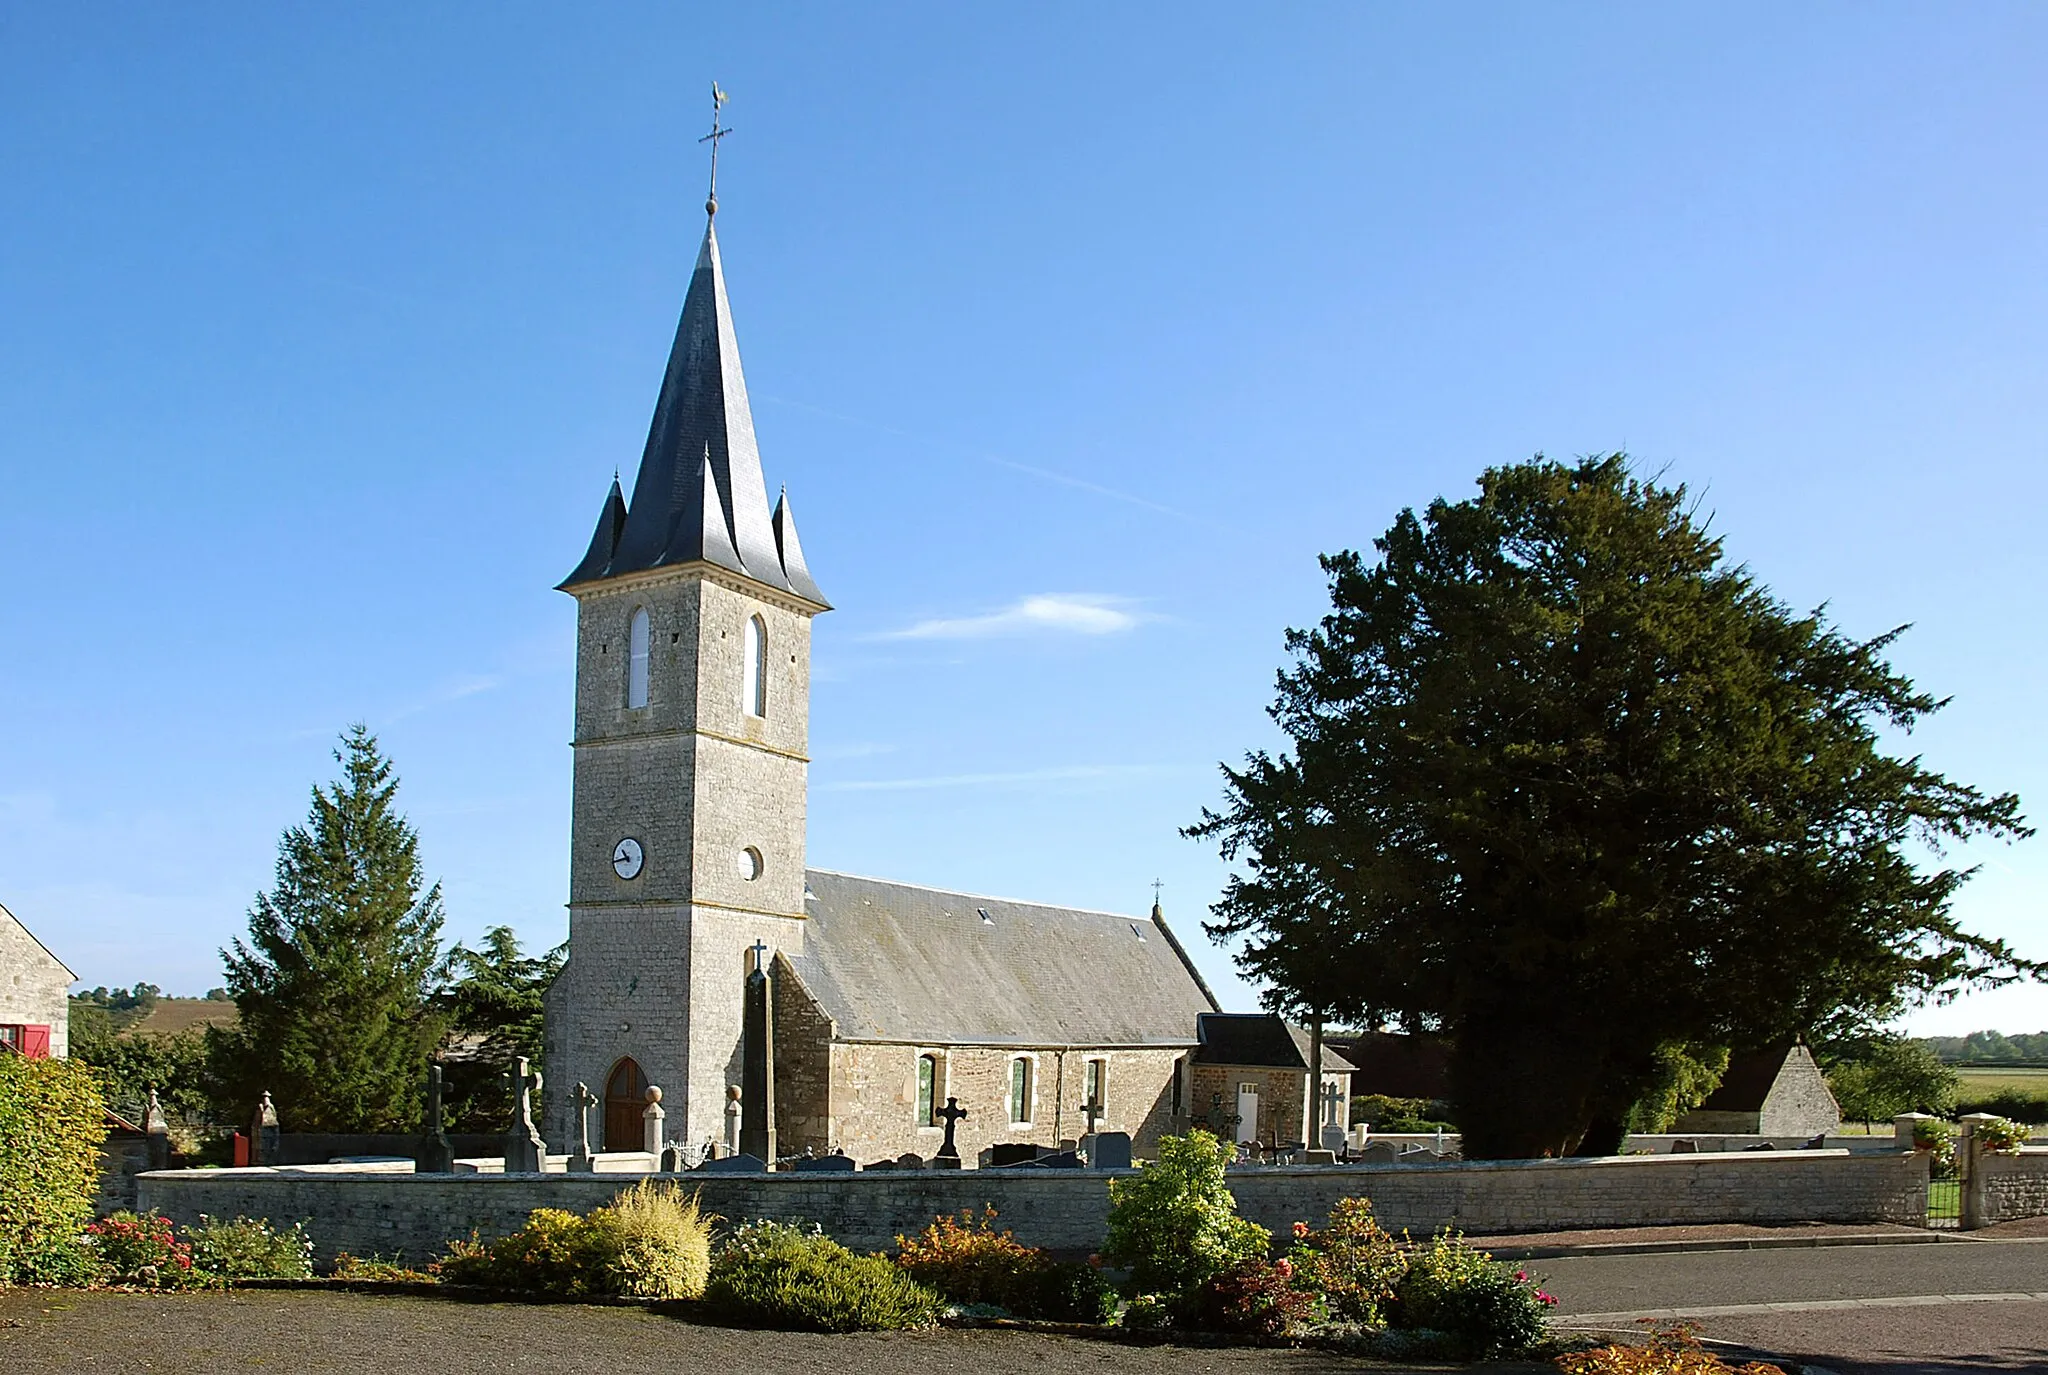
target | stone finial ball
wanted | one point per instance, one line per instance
(732, 1093)
(654, 1093)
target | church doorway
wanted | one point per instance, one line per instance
(625, 1099)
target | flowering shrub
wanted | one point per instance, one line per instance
(1938, 1139)
(1349, 1267)
(969, 1262)
(2001, 1136)
(141, 1249)
(1252, 1297)
(1669, 1351)
(250, 1249)
(1175, 1224)
(1481, 1305)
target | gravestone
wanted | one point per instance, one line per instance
(263, 1133)
(827, 1164)
(1109, 1151)
(1379, 1153)
(1053, 1160)
(875, 1166)
(580, 1161)
(436, 1154)
(1007, 1153)
(525, 1152)
(1333, 1139)
(948, 1157)
(1761, 1146)
(734, 1164)
(910, 1160)
(1685, 1145)
(1318, 1157)
(672, 1158)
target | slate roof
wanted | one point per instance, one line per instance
(894, 962)
(1260, 1038)
(699, 495)
(1748, 1080)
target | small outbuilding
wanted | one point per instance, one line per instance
(1778, 1091)
(1249, 1077)
(35, 987)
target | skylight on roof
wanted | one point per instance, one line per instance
(985, 917)
(1137, 931)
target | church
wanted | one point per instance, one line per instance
(688, 876)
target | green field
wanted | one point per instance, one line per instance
(1981, 1079)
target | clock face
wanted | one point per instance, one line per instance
(627, 857)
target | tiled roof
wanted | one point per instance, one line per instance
(894, 962)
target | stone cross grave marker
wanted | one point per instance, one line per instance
(436, 1155)
(525, 1152)
(1092, 1113)
(948, 1157)
(580, 1161)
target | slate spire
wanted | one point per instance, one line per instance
(699, 494)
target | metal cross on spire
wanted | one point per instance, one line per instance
(1157, 884)
(717, 132)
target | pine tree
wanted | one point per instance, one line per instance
(336, 982)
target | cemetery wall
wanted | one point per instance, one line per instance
(2011, 1186)
(414, 1216)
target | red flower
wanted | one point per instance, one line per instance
(1545, 1299)
(1522, 1275)
(1301, 1229)
(1283, 1267)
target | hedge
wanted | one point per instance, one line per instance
(52, 1125)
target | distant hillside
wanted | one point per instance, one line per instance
(173, 1015)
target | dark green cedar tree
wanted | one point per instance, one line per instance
(335, 985)
(1564, 784)
(494, 1009)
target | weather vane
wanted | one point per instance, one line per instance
(717, 132)
(1157, 884)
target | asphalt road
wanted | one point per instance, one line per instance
(1861, 1310)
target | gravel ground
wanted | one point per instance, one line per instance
(1730, 1231)
(349, 1334)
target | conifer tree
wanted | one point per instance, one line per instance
(336, 981)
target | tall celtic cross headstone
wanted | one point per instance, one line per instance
(525, 1152)
(948, 1157)
(435, 1154)
(1092, 1113)
(580, 1160)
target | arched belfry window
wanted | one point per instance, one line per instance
(754, 685)
(637, 641)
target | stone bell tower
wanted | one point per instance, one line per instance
(694, 611)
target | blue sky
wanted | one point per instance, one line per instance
(1076, 334)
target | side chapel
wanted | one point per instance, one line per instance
(687, 874)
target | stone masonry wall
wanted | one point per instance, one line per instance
(2013, 1186)
(1214, 1100)
(33, 985)
(1799, 1102)
(414, 1216)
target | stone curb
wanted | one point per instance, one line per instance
(1650, 1248)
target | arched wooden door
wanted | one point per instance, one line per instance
(625, 1099)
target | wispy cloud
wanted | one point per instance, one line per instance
(1068, 613)
(1075, 773)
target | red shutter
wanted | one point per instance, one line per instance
(35, 1042)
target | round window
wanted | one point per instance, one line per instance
(750, 863)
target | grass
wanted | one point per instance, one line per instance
(1982, 1079)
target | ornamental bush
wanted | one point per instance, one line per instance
(52, 1124)
(1253, 1298)
(1483, 1307)
(967, 1261)
(652, 1241)
(142, 1249)
(787, 1276)
(1351, 1266)
(250, 1249)
(1174, 1225)
(1669, 1351)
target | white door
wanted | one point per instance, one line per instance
(1248, 1112)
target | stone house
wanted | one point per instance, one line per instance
(1778, 1091)
(687, 868)
(1249, 1080)
(35, 1010)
